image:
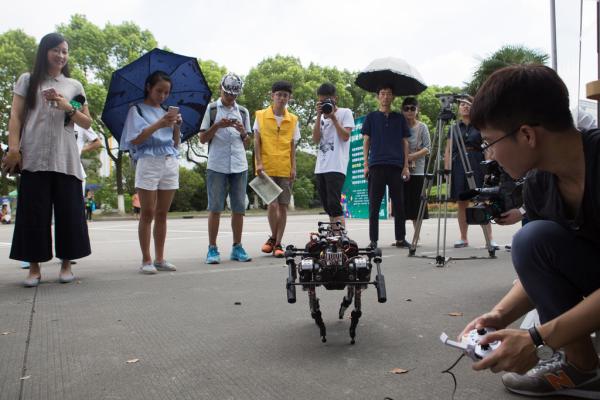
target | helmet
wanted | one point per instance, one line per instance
(232, 84)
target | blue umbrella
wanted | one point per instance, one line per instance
(189, 92)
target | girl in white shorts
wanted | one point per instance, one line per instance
(152, 136)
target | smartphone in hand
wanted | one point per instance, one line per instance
(49, 93)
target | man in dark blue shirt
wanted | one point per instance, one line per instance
(385, 148)
(524, 118)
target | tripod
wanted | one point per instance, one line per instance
(442, 178)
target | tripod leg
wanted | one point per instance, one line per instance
(434, 165)
(315, 312)
(346, 301)
(488, 242)
(355, 315)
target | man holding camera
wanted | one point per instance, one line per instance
(226, 129)
(523, 114)
(331, 132)
(385, 149)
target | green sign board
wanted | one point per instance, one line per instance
(355, 192)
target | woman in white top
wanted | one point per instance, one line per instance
(152, 136)
(42, 143)
(419, 145)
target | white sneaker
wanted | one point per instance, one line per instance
(494, 245)
(148, 269)
(164, 266)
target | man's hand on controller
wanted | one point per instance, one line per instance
(491, 319)
(515, 354)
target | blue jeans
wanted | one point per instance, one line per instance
(218, 185)
(557, 269)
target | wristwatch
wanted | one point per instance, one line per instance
(542, 350)
(71, 112)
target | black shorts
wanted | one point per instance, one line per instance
(330, 186)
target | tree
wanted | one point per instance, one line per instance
(507, 55)
(213, 72)
(17, 54)
(305, 168)
(256, 94)
(189, 195)
(95, 54)
(304, 192)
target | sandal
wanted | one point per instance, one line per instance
(460, 244)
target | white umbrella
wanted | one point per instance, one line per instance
(396, 73)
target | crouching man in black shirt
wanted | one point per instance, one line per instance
(523, 114)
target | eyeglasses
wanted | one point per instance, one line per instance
(409, 108)
(485, 146)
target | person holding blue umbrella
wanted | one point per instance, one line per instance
(152, 135)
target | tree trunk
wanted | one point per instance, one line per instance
(119, 177)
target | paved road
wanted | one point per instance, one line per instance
(192, 341)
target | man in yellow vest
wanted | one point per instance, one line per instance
(276, 133)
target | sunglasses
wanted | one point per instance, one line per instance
(409, 108)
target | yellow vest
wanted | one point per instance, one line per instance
(276, 141)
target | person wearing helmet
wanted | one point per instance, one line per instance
(226, 129)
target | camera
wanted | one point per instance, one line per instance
(327, 106)
(447, 99)
(499, 194)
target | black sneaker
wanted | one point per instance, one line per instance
(373, 244)
(401, 244)
(555, 377)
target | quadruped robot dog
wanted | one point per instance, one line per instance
(332, 260)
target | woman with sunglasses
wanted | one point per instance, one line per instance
(419, 144)
(475, 155)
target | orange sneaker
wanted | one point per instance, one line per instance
(278, 252)
(268, 246)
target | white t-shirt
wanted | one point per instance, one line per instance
(84, 136)
(279, 119)
(333, 152)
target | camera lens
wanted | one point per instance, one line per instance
(327, 106)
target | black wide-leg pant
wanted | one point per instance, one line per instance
(39, 193)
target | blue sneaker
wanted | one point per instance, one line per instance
(213, 256)
(239, 254)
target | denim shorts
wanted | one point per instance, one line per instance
(157, 173)
(218, 185)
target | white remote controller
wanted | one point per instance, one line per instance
(470, 343)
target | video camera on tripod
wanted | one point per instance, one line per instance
(447, 99)
(499, 194)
